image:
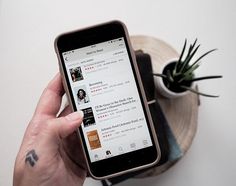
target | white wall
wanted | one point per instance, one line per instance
(28, 62)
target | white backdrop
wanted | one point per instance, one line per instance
(28, 62)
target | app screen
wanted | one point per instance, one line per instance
(104, 88)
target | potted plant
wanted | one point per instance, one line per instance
(177, 76)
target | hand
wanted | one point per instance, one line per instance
(50, 153)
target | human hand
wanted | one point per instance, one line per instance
(50, 153)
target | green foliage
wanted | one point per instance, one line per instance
(182, 74)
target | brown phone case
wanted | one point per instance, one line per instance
(95, 143)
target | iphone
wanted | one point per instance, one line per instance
(101, 78)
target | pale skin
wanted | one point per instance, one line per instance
(50, 153)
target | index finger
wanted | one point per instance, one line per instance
(50, 100)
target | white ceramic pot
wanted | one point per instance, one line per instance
(162, 89)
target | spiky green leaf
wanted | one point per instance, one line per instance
(188, 59)
(160, 75)
(198, 60)
(169, 76)
(197, 92)
(205, 77)
(181, 55)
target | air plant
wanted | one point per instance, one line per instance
(179, 75)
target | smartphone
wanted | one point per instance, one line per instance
(101, 78)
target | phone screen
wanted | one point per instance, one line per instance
(104, 88)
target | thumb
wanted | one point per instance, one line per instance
(64, 126)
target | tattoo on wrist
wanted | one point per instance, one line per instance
(31, 158)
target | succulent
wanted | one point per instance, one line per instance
(180, 75)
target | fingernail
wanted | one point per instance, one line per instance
(75, 115)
